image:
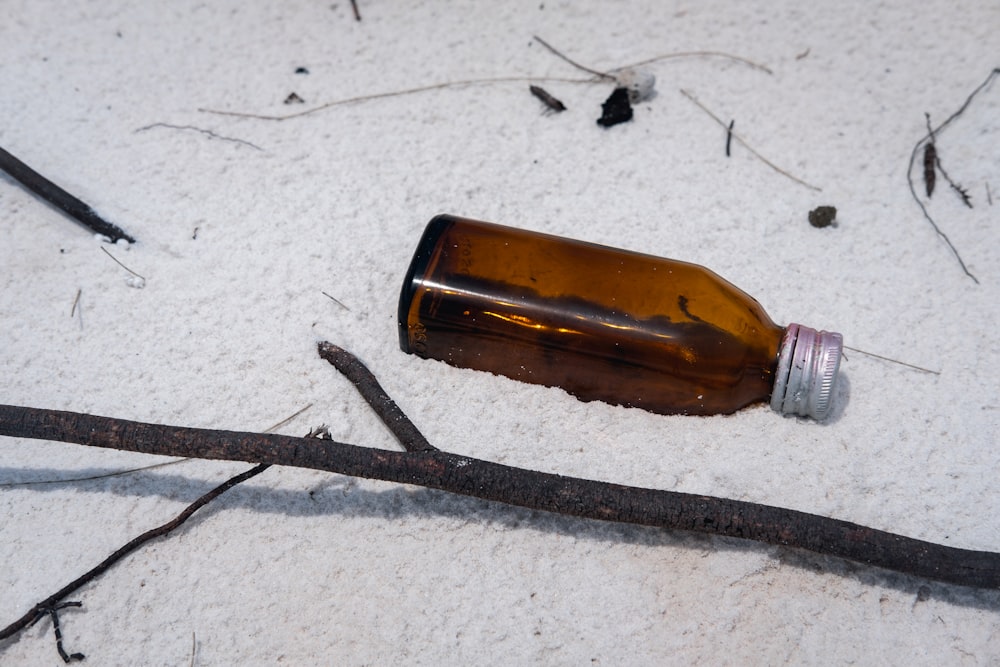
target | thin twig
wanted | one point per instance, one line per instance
(120, 264)
(929, 137)
(193, 128)
(335, 300)
(49, 602)
(395, 93)
(558, 54)
(45, 189)
(745, 144)
(548, 492)
(354, 7)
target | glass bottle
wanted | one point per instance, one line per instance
(606, 324)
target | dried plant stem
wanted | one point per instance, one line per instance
(559, 54)
(395, 93)
(929, 139)
(192, 128)
(740, 140)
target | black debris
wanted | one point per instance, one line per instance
(823, 216)
(616, 109)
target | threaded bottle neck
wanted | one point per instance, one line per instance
(808, 361)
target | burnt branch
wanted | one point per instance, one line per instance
(45, 189)
(408, 435)
(547, 492)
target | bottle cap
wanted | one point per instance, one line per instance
(808, 361)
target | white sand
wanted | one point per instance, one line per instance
(301, 567)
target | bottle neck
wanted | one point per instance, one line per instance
(808, 361)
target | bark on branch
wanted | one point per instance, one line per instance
(547, 492)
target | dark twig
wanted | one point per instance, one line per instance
(929, 138)
(354, 8)
(64, 201)
(366, 383)
(729, 135)
(467, 476)
(53, 613)
(50, 603)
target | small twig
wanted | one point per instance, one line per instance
(929, 138)
(50, 602)
(729, 135)
(895, 361)
(354, 7)
(746, 145)
(76, 302)
(335, 300)
(558, 54)
(120, 264)
(209, 133)
(45, 189)
(367, 384)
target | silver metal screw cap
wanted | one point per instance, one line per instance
(808, 361)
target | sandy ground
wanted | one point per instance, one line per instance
(244, 223)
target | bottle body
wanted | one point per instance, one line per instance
(601, 323)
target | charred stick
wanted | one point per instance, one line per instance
(45, 189)
(365, 382)
(548, 492)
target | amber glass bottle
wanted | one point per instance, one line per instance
(606, 324)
